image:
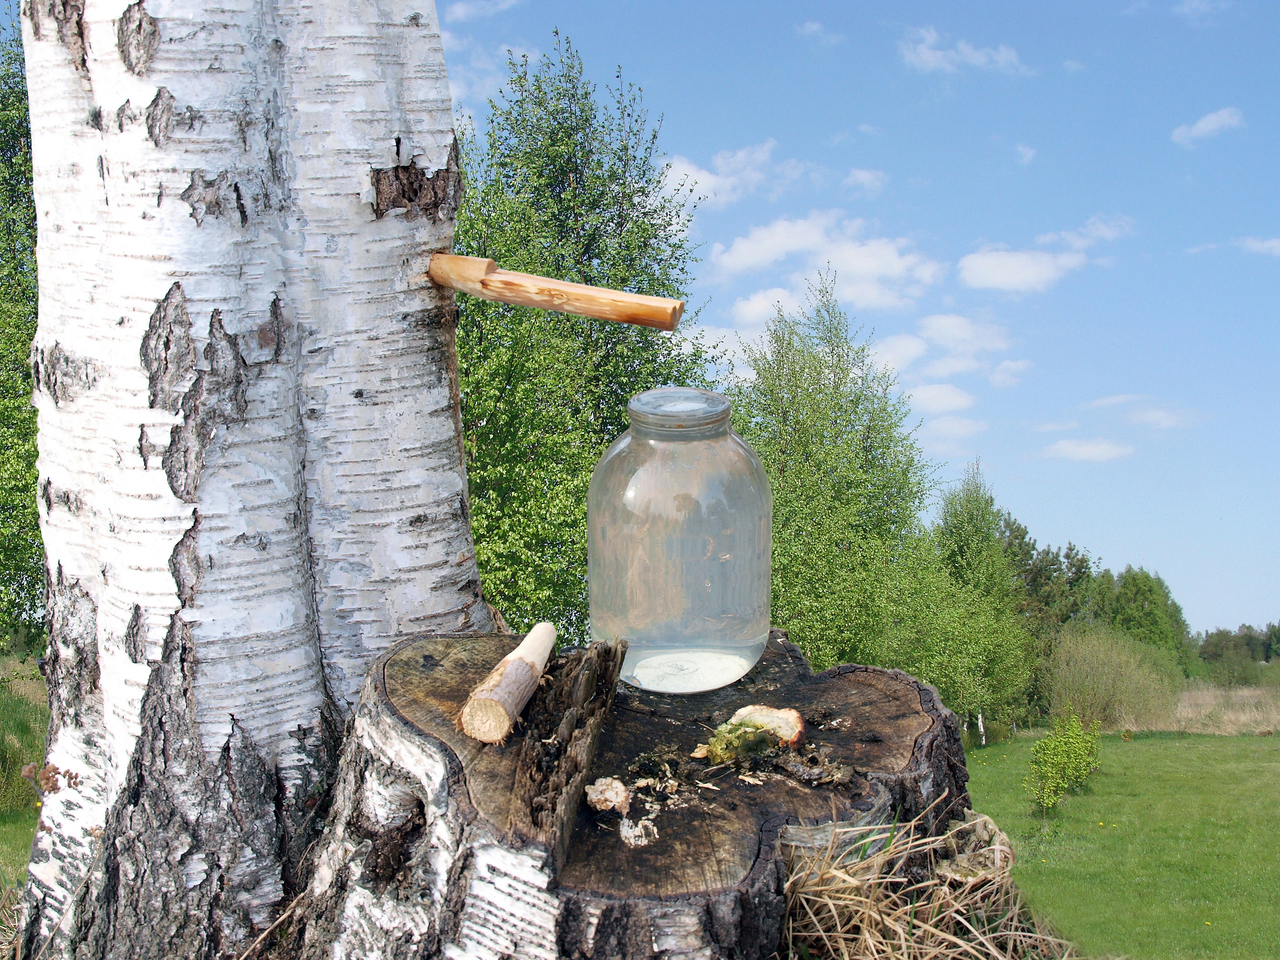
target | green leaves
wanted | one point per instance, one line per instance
(565, 186)
(1062, 762)
(21, 549)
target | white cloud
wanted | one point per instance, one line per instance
(734, 173)
(874, 272)
(1091, 451)
(870, 182)
(473, 9)
(1056, 427)
(476, 73)
(751, 313)
(1258, 245)
(962, 336)
(766, 245)
(920, 50)
(1017, 270)
(1096, 228)
(1006, 373)
(1025, 153)
(813, 30)
(1072, 66)
(1157, 417)
(897, 351)
(940, 398)
(945, 436)
(1210, 125)
(869, 130)
(1113, 401)
(945, 367)
(1196, 11)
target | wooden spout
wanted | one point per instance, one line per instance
(483, 278)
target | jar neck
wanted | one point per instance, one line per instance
(706, 431)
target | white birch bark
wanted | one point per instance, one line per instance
(250, 472)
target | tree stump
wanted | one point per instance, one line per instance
(439, 845)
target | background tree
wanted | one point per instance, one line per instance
(855, 575)
(21, 550)
(567, 185)
(848, 479)
(1140, 604)
(1052, 589)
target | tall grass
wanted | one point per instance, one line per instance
(1203, 708)
(1099, 673)
(23, 722)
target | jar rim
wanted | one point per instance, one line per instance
(673, 408)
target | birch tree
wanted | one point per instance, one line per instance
(250, 477)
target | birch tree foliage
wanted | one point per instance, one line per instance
(21, 551)
(856, 577)
(567, 183)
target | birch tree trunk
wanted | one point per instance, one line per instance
(250, 473)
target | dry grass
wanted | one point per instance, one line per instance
(887, 891)
(1228, 711)
(10, 901)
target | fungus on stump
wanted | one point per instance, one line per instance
(442, 846)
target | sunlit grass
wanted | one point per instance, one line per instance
(1173, 851)
(24, 718)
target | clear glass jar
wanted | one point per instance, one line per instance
(680, 522)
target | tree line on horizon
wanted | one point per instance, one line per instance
(566, 183)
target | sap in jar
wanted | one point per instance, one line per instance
(680, 520)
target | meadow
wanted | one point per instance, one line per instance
(1171, 851)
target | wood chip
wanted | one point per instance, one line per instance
(747, 778)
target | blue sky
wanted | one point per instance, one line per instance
(1059, 223)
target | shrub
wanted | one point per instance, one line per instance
(1102, 675)
(1062, 762)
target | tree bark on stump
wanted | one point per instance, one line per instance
(439, 845)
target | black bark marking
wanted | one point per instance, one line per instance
(67, 499)
(138, 38)
(184, 564)
(191, 851)
(31, 10)
(71, 667)
(244, 214)
(205, 197)
(408, 187)
(95, 121)
(168, 354)
(63, 375)
(146, 449)
(271, 333)
(135, 637)
(125, 115)
(217, 397)
(70, 17)
(160, 117)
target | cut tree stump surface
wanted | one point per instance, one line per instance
(437, 845)
(887, 730)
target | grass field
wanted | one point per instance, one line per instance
(23, 719)
(1173, 851)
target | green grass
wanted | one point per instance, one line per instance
(23, 720)
(1172, 851)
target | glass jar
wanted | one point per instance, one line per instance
(680, 522)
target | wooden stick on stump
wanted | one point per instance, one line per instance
(495, 705)
(441, 846)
